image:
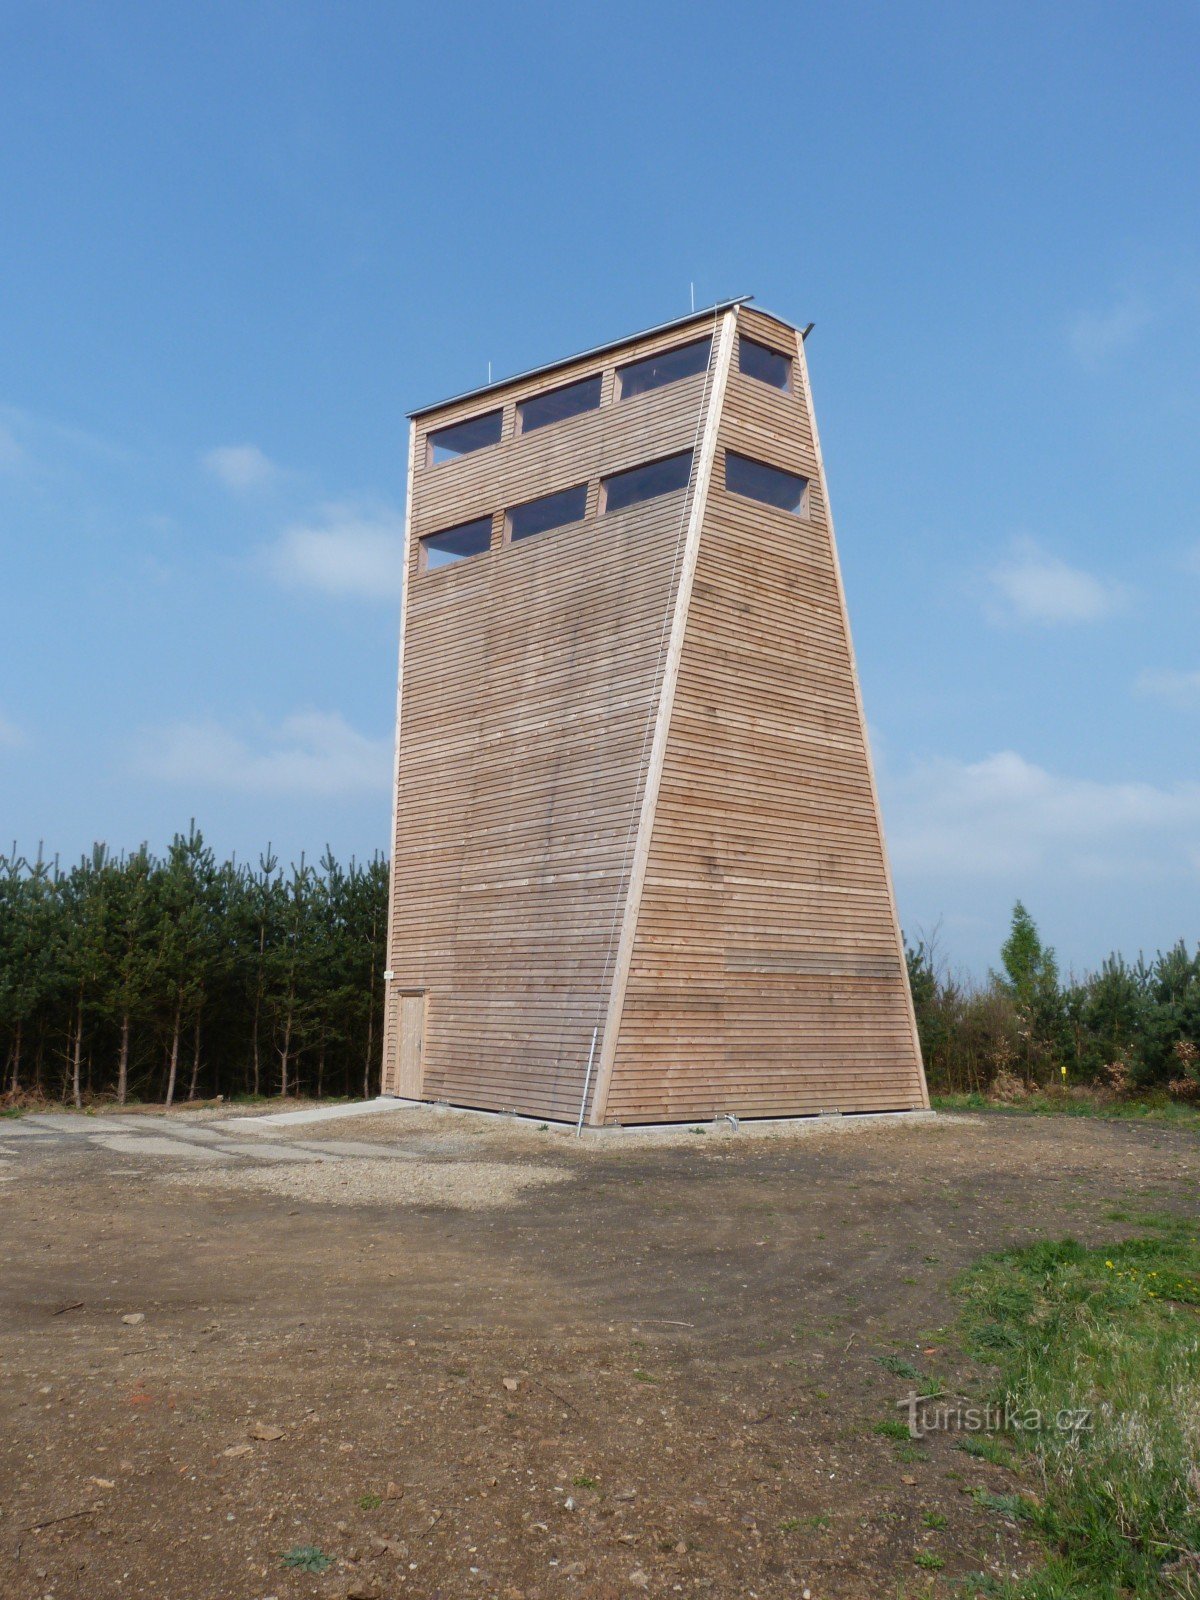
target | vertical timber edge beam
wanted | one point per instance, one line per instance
(666, 700)
(862, 721)
(389, 1021)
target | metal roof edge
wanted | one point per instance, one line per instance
(585, 355)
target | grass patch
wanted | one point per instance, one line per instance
(1112, 1335)
(892, 1430)
(986, 1449)
(819, 1523)
(910, 1455)
(1013, 1506)
(1155, 1108)
(900, 1367)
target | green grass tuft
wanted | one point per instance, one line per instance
(1111, 1335)
(1014, 1506)
(892, 1430)
(909, 1454)
(900, 1367)
(986, 1449)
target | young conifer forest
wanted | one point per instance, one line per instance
(179, 977)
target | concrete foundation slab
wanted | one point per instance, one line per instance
(78, 1122)
(170, 1128)
(272, 1152)
(150, 1144)
(731, 1126)
(357, 1147)
(296, 1119)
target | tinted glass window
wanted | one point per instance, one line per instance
(668, 367)
(644, 483)
(558, 404)
(445, 444)
(757, 481)
(455, 544)
(767, 365)
(551, 511)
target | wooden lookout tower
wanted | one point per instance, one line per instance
(638, 871)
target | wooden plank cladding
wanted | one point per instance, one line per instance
(638, 867)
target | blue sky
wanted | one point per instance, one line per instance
(239, 242)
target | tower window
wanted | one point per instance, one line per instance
(556, 405)
(638, 377)
(456, 544)
(767, 365)
(550, 511)
(647, 482)
(771, 485)
(460, 438)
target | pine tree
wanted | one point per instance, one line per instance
(184, 941)
(29, 921)
(133, 966)
(1032, 981)
(84, 935)
(291, 974)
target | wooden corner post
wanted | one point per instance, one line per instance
(391, 1021)
(862, 721)
(662, 726)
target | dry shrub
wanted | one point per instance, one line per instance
(24, 1100)
(1007, 1087)
(1187, 1087)
(1116, 1076)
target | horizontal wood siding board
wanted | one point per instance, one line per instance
(530, 677)
(766, 975)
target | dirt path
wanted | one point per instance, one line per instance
(621, 1371)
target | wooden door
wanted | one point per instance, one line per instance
(410, 1045)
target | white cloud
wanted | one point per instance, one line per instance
(1033, 586)
(241, 467)
(347, 550)
(11, 737)
(1182, 688)
(1004, 818)
(29, 439)
(310, 752)
(12, 453)
(1097, 335)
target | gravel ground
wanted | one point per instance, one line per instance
(459, 1185)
